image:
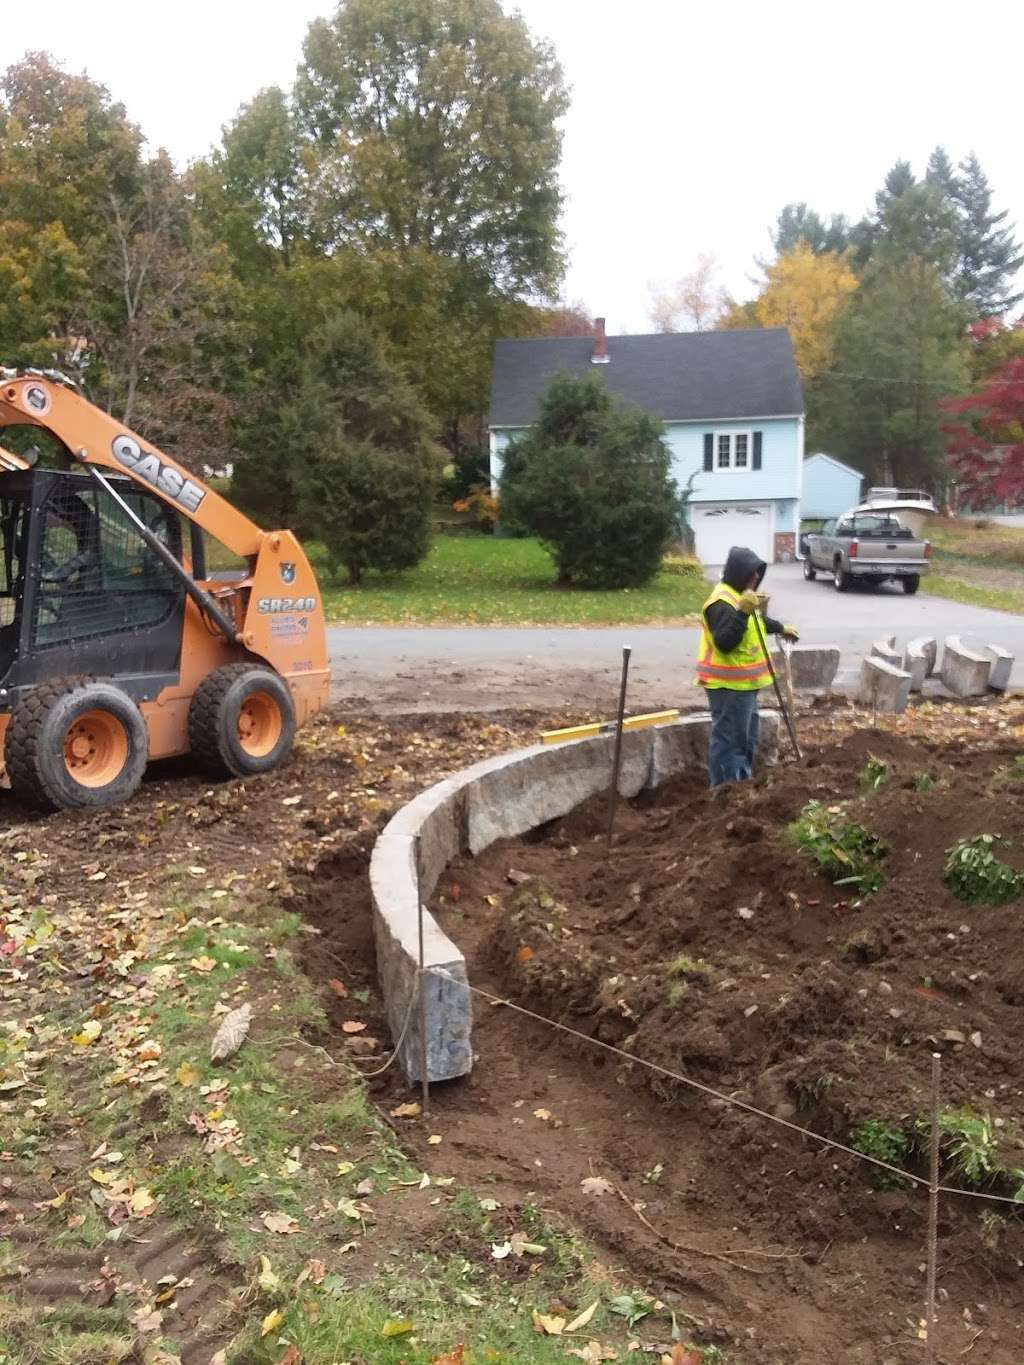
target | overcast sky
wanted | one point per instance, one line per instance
(691, 123)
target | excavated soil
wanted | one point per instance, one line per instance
(707, 943)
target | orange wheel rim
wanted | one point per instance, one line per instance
(95, 749)
(259, 724)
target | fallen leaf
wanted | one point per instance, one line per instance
(345, 1167)
(187, 1074)
(579, 1323)
(435, 1140)
(489, 1205)
(291, 1357)
(524, 954)
(283, 1223)
(291, 800)
(366, 1187)
(352, 1026)
(596, 1185)
(90, 1031)
(233, 1031)
(317, 1271)
(456, 1357)
(499, 1250)
(547, 1324)
(545, 1115)
(203, 964)
(393, 1328)
(594, 1353)
(407, 1111)
(271, 1322)
(680, 1355)
(338, 987)
(148, 1319)
(142, 1203)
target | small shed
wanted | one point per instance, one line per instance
(830, 487)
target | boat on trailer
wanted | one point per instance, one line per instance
(911, 505)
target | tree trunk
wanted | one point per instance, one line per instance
(355, 574)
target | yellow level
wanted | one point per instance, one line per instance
(604, 727)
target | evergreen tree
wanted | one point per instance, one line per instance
(797, 223)
(592, 481)
(989, 254)
(355, 440)
(941, 173)
(899, 351)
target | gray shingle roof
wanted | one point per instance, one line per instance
(685, 376)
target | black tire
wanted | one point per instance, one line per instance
(223, 704)
(76, 744)
(809, 572)
(840, 578)
(911, 584)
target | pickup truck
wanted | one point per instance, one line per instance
(867, 548)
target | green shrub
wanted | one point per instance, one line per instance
(876, 774)
(974, 874)
(968, 1143)
(591, 480)
(883, 1142)
(682, 566)
(843, 850)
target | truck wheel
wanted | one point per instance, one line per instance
(241, 721)
(840, 578)
(911, 584)
(76, 744)
(809, 573)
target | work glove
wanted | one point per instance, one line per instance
(750, 601)
(790, 633)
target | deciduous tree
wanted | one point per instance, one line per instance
(806, 292)
(696, 301)
(435, 126)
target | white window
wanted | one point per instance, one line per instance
(733, 451)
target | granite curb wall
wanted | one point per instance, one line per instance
(500, 798)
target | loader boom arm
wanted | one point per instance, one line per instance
(95, 438)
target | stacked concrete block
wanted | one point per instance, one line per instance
(883, 685)
(928, 647)
(885, 648)
(814, 667)
(915, 662)
(1002, 667)
(965, 672)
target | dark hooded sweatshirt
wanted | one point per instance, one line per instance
(725, 622)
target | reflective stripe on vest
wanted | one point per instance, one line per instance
(743, 668)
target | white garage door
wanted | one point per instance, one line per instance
(719, 526)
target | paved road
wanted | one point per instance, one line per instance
(441, 668)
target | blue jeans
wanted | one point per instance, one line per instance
(734, 729)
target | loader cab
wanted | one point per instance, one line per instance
(80, 591)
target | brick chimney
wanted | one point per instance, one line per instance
(600, 355)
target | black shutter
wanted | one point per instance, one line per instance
(757, 450)
(709, 452)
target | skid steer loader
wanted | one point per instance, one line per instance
(117, 645)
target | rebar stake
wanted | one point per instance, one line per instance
(613, 795)
(933, 1214)
(424, 1075)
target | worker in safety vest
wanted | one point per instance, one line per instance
(732, 664)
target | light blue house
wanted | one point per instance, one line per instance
(830, 487)
(733, 412)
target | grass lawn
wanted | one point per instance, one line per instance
(983, 566)
(485, 581)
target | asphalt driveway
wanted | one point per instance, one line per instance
(488, 668)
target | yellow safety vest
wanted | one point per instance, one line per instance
(743, 669)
